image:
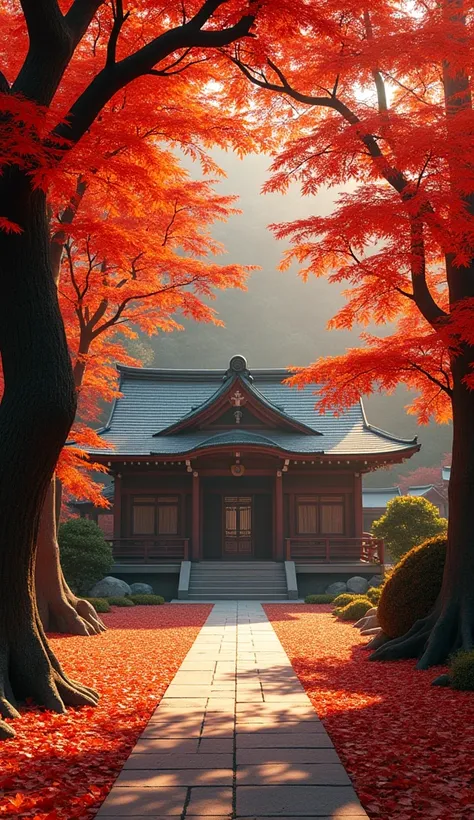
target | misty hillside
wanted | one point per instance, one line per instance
(281, 320)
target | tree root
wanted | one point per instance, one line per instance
(29, 669)
(435, 638)
(377, 641)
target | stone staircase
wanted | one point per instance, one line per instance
(238, 581)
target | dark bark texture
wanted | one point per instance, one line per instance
(450, 627)
(36, 414)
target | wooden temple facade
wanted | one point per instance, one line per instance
(235, 465)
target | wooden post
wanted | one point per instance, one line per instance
(278, 546)
(195, 545)
(117, 506)
(358, 513)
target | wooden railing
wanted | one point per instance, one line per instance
(335, 549)
(150, 550)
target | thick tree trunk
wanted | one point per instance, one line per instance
(36, 413)
(450, 627)
(60, 610)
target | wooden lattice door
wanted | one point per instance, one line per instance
(237, 527)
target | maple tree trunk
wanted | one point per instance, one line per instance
(36, 413)
(450, 627)
(60, 610)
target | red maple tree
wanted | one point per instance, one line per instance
(136, 256)
(67, 69)
(381, 99)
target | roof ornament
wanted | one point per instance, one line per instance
(238, 366)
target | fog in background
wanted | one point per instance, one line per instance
(280, 320)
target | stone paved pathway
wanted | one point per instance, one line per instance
(235, 736)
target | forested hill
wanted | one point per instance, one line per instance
(281, 320)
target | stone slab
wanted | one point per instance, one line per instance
(159, 761)
(297, 800)
(290, 740)
(209, 802)
(152, 779)
(298, 774)
(143, 803)
(288, 756)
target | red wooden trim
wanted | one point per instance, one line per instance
(118, 506)
(279, 553)
(196, 527)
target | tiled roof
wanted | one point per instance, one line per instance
(154, 399)
(378, 497)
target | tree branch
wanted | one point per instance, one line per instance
(431, 378)
(119, 20)
(395, 178)
(115, 77)
(79, 17)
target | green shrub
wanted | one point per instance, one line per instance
(373, 594)
(354, 610)
(99, 604)
(85, 554)
(146, 600)
(319, 599)
(461, 673)
(121, 601)
(344, 598)
(411, 591)
(408, 521)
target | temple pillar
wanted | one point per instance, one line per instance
(117, 506)
(358, 510)
(278, 550)
(196, 526)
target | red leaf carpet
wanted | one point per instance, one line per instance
(408, 746)
(60, 767)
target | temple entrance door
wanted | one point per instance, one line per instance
(237, 540)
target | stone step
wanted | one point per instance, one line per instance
(244, 596)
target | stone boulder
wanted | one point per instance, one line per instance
(337, 588)
(110, 587)
(357, 585)
(376, 581)
(141, 589)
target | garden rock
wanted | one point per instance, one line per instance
(357, 585)
(375, 581)
(110, 587)
(337, 588)
(141, 589)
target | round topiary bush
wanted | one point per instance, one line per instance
(85, 554)
(354, 610)
(319, 599)
(411, 591)
(408, 521)
(461, 673)
(344, 599)
(121, 601)
(373, 594)
(146, 600)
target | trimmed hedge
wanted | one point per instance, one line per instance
(99, 604)
(373, 594)
(411, 591)
(146, 600)
(354, 610)
(319, 599)
(345, 598)
(121, 601)
(85, 554)
(461, 673)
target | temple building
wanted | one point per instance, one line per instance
(234, 473)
